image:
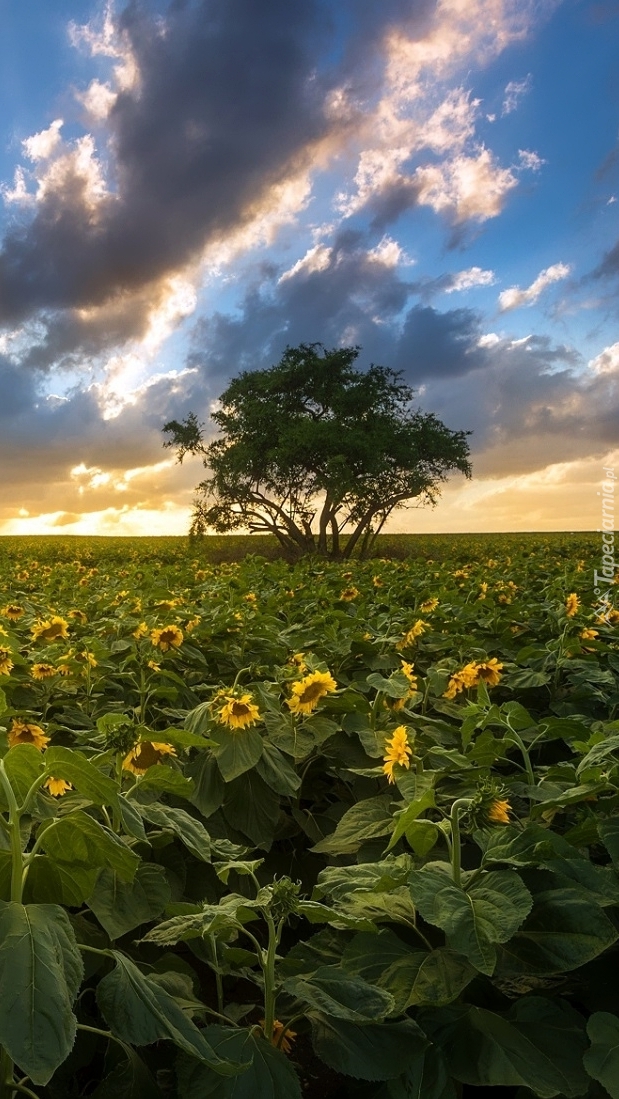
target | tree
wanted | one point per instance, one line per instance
(313, 447)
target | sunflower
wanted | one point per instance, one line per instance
(411, 635)
(12, 611)
(588, 634)
(276, 1038)
(57, 787)
(498, 811)
(237, 713)
(79, 616)
(398, 751)
(167, 637)
(306, 694)
(140, 631)
(572, 605)
(23, 732)
(6, 664)
(145, 755)
(488, 672)
(428, 605)
(43, 671)
(349, 594)
(51, 629)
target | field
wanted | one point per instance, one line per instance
(273, 830)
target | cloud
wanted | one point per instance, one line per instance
(466, 188)
(530, 161)
(472, 276)
(607, 362)
(514, 91)
(514, 297)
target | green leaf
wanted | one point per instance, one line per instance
(50, 882)
(73, 767)
(441, 977)
(397, 686)
(341, 995)
(120, 906)
(190, 831)
(137, 1010)
(270, 1074)
(427, 1078)
(385, 961)
(474, 920)
(608, 831)
(601, 1060)
(407, 816)
(209, 786)
(40, 974)
(236, 750)
(129, 1079)
(79, 840)
(365, 820)
(563, 931)
(23, 764)
(378, 1051)
(422, 836)
(538, 1044)
(161, 777)
(531, 847)
(251, 807)
(131, 819)
(276, 771)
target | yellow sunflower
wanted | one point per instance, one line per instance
(24, 732)
(51, 629)
(57, 787)
(276, 1037)
(489, 672)
(411, 635)
(145, 755)
(6, 664)
(43, 671)
(572, 605)
(238, 713)
(167, 637)
(498, 811)
(306, 694)
(12, 611)
(428, 605)
(398, 751)
(349, 594)
(140, 631)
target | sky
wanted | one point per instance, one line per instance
(189, 187)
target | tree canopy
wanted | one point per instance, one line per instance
(313, 448)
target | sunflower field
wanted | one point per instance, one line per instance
(272, 830)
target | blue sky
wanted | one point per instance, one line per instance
(189, 187)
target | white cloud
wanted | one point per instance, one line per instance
(389, 253)
(514, 297)
(530, 160)
(472, 276)
(41, 146)
(467, 187)
(514, 92)
(607, 362)
(98, 100)
(317, 258)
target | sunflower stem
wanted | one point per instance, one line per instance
(456, 845)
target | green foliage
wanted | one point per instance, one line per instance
(194, 908)
(312, 447)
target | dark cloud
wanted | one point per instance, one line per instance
(230, 103)
(439, 345)
(609, 265)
